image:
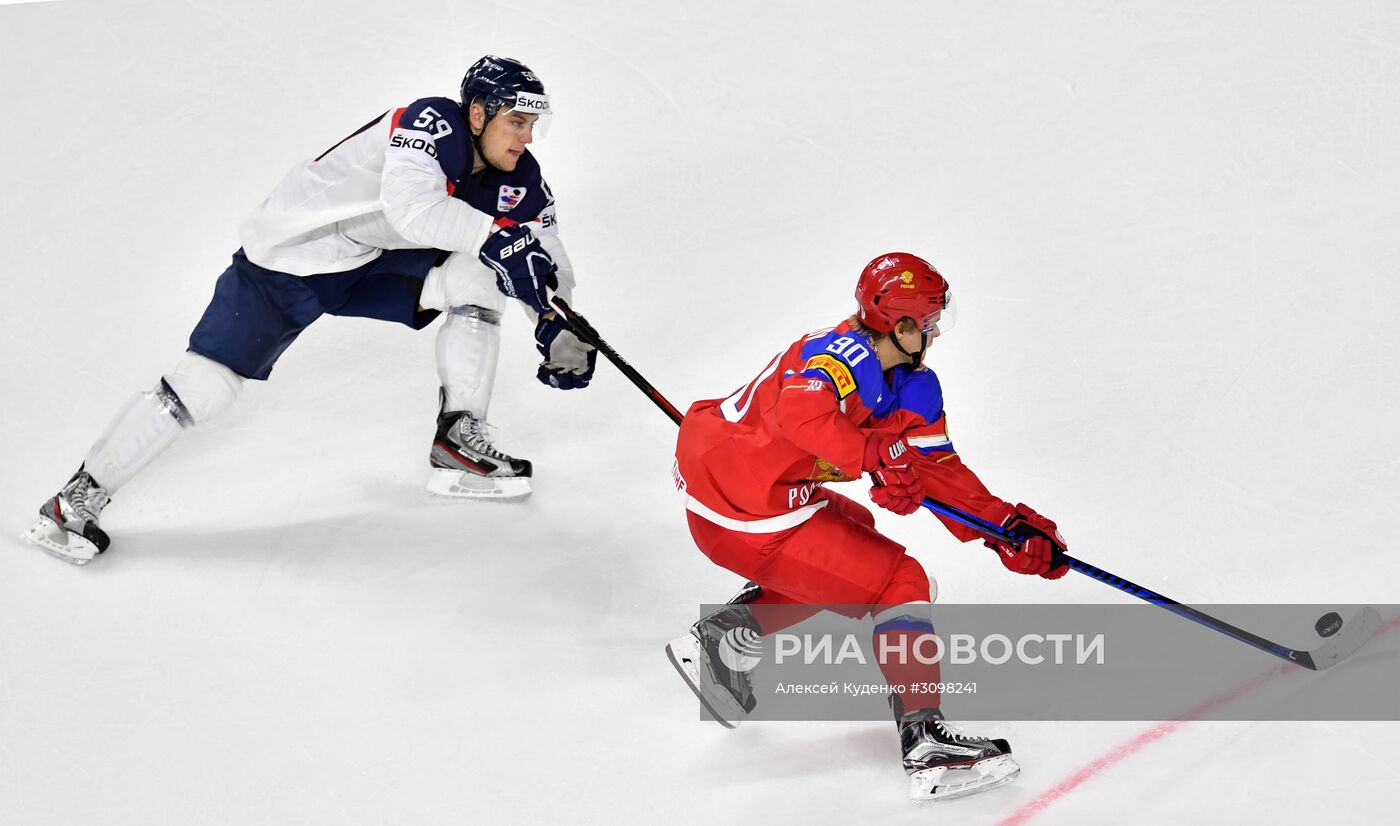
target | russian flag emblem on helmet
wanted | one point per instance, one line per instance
(901, 285)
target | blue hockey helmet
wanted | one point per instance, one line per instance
(504, 83)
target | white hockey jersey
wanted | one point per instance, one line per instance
(401, 181)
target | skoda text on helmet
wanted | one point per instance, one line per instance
(505, 84)
(900, 285)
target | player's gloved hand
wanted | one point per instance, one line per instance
(568, 360)
(1042, 546)
(889, 464)
(524, 270)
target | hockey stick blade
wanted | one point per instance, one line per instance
(1354, 634)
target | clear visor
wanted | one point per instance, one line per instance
(536, 112)
(937, 323)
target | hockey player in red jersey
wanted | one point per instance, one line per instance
(753, 467)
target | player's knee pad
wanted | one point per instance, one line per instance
(198, 389)
(461, 280)
(468, 347)
(908, 583)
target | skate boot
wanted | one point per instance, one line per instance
(715, 658)
(466, 464)
(67, 526)
(943, 763)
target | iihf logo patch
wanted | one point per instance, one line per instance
(509, 198)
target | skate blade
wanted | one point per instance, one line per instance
(457, 484)
(47, 536)
(951, 782)
(684, 654)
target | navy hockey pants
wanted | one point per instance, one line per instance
(257, 313)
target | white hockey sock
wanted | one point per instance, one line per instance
(194, 392)
(467, 349)
(142, 429)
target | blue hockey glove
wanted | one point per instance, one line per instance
(524, 270)
(568, 360)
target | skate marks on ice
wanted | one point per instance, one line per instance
(409, 527)
(1137, 743)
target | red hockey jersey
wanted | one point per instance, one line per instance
(756, 460)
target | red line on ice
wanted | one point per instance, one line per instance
(1135, 744)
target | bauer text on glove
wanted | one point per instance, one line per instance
(523, 269)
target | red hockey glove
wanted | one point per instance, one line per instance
(897, 486)
(1041, 544)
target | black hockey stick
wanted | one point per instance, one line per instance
(1343, 643)
(585, 331)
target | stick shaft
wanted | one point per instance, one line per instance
(1131, 588)
(586, 331)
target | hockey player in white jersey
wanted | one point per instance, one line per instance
(434, 208)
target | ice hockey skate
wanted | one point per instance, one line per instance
(466, 464)
(67, 526)
(944, 764)
(714, 659)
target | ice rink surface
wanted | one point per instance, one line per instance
(1171, 229)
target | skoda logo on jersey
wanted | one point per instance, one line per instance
(509, 197)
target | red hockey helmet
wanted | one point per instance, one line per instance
(898, 285)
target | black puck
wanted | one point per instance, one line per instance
(1329, 624)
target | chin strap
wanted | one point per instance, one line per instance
(476, 139)
(916, 358)
(476, 145)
